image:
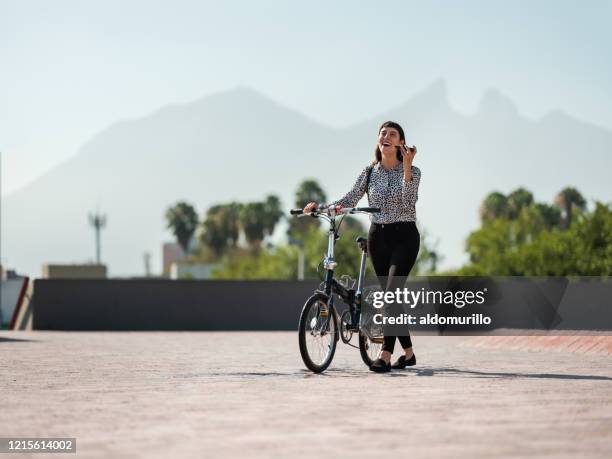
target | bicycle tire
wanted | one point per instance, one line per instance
(309, 321)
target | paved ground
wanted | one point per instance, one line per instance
(572, 342)
(247, 395)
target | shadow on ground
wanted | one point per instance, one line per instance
(16, 340)
(349, 373)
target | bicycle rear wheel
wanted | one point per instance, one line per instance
(369, 348)
(317, 333)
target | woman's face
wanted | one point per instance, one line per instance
(388, 140)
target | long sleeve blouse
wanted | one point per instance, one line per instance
(388, 190)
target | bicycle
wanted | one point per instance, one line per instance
(320, 326)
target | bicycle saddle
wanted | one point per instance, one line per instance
(361, 239)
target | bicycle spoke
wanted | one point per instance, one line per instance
(320, 333)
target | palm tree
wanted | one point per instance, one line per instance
(567, 200)
(272, 213)
(495, 205)
(517, 201)
(550, 214)
(182, 219)
(252, 221)
(307, 191)
(221, 227)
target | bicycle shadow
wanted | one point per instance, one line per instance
(364, 372)
(4, 339)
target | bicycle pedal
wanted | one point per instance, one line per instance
(377, 340)
(323, 312)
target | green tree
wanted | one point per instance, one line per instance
(252, 222)
(550, 214)
(221, 227)
(307, 191)
(517, 201)
(568, 200)
(353, 224)
(281, 262)
(182, 220)
(534, 244)
(258, 220)
(272, 213)
(274, 263)
(591, 235)
(495, 205)
(346, 252)
(427, 259)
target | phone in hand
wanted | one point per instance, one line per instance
(400, 154)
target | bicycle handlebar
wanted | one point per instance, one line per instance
(344, 210)
(370, 210)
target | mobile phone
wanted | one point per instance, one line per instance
(400, 155)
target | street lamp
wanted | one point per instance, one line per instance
(300, 245)
(98, 222)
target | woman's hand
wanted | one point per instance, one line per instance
(408, 154)
(310, 207)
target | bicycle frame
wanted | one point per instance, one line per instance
(351, 297)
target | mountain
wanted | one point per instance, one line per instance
(240, 145)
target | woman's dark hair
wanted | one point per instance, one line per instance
(394, 125)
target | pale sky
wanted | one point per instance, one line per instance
(68, 69)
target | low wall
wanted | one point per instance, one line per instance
(155, 304)
(168, 304)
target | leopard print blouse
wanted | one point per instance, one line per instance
(387, 190)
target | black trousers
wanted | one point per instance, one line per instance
(393, 248)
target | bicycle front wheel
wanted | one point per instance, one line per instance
(317, 333)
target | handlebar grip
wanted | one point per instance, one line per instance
(369, 209)
(296, 211)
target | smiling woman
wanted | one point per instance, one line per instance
(392, 184)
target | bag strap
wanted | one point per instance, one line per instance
(368, 174)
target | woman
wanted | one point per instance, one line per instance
(393, 241)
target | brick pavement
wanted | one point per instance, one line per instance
(188, 394)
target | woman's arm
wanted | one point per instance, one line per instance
(412, 176)
(410, 188)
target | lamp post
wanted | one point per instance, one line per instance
(98, 222)
(147, 263)
(300, 245)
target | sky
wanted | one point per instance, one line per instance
(69, 69)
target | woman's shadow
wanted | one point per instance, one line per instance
(492, 374)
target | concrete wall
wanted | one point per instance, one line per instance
(168, 304)
(160, 304)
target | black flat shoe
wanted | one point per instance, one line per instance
(380, 366)
(402, 362)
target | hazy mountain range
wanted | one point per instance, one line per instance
(240, 145)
